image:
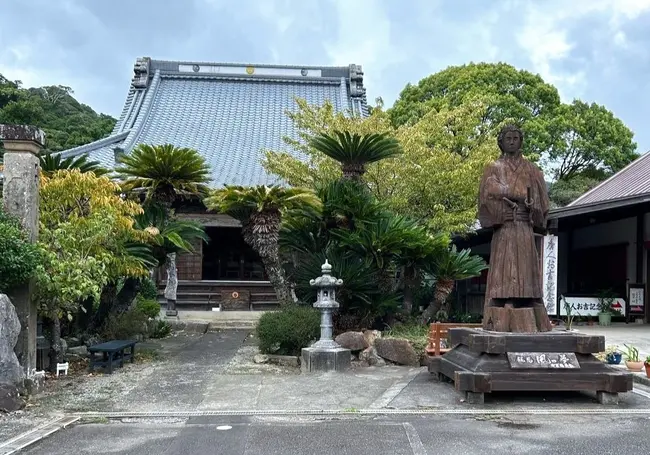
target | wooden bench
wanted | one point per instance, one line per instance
(111, 353)
(439, 331)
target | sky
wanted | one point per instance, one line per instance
(595, 50)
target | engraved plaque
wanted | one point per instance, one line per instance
(537, 360)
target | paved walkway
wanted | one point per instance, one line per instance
(215, 372)
(637, 335)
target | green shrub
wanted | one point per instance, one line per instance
(288, 330)
(149, 307)
(148, 289)
(129, 325)
(18, 256)
(160, 329)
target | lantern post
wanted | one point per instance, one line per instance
(326, 354)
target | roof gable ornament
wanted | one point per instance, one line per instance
(357, 90)
(141, 72)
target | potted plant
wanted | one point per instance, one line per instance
(605, 307)
(646, 364)
(613, 355)
(632, 361)
(571, 314)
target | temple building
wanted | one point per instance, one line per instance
(230, 113)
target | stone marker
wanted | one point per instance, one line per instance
(326, 354)
(11, 373)
(22, 146)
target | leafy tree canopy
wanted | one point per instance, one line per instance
(84, 228)
(568, 137)
(435, 179)
(66, 122)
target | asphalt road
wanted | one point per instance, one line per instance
(418, 435)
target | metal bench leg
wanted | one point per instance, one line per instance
(110, 363)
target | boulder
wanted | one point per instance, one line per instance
(10, 399)
(10, 370)
(354, 341)
(261, 358)
(370, 356)
(371, 336)
(397, 350)
(73, 342)
(79, 351)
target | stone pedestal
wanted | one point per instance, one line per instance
(483, 362)
(321, 360)
(22, 145)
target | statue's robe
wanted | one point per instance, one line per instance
(514, 271)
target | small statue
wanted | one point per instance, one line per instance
(513, 200)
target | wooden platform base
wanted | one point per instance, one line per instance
(483, 362)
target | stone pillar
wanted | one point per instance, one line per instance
(22, 145)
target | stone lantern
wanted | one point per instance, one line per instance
(326, 354)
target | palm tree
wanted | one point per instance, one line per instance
(51, 163)
(164, 172)
(447, 268)
(168, 235)
(354, 151)
(260, 210)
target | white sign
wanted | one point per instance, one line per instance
(588, 306)
(549, 273)
(636, 300)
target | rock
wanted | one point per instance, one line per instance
(397, 350)
(284, 360)
(10, 370)
(370, 356)
(10, 399)
(81, 351)
(354, 341)
(371, 336)
(73, 342)
(260, 358)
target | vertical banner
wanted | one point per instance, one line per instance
(549, 273)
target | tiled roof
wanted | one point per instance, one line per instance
(230, 113)
(631, 181)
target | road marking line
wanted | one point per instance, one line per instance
(643, 393)
(414, 439)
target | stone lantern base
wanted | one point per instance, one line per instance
(317, 359)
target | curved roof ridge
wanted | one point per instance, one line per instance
(619, 176)
(113, 138)
(144, 111)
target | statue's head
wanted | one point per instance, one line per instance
(510, 140)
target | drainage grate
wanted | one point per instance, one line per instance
(30, 437)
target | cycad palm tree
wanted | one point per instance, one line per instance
(52, 163)
(354, 151)
(168, 235)
(260, 210)
(164, 172)
(448, 267)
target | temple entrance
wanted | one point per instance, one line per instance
(227, 257)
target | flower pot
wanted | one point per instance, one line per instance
(605, 318)
(647, 369)
(634, 366)
(614, 358)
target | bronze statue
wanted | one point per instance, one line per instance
(513, 200)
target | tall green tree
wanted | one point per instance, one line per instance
(164, 174)
(567, 138)
(66, 122)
